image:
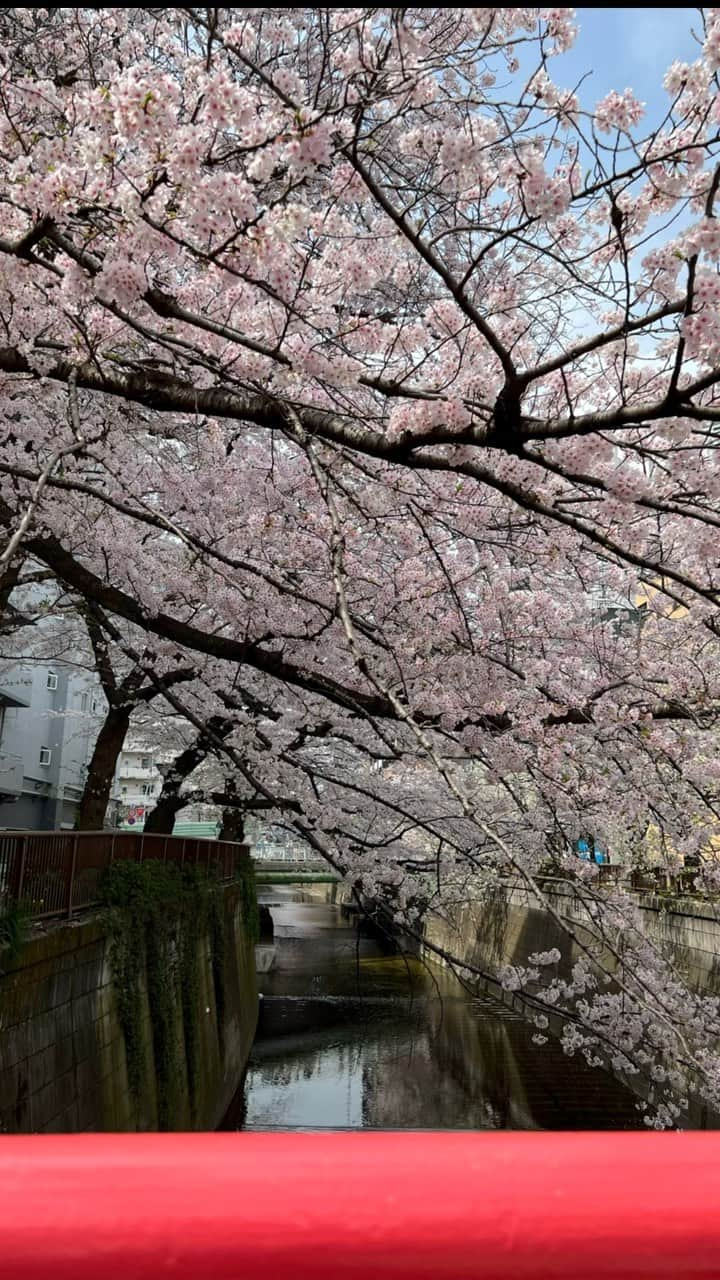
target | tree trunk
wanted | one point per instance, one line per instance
(101, 770)
(162, 819)
(11, 619)
(233, 825)
(233, 818)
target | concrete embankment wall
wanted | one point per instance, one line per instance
(63, 1054)
(514, 925)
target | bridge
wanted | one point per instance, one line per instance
(531, 1206)
(291, 865)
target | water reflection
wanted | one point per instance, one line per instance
(350, 1038)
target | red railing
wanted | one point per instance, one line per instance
(54, 873)
(422, 1206)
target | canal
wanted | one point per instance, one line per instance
(351, 1038)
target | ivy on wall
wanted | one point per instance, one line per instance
(157, 916)
(14, 923)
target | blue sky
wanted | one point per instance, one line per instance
(627, 48)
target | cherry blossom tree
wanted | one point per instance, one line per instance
(349, 355)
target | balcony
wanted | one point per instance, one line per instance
(129, 770)
(11, 776)
(135, 800)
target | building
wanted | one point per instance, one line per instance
(11, 763)
(50, 713)
(136, 786)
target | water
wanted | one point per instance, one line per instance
(349, 1038)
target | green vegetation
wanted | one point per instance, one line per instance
(247, 883)
(14, 922)
(157, 916)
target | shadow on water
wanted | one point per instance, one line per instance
(350, 1038)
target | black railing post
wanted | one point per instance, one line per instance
(17, 877)
(71, 883)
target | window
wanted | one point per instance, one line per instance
(45, 755)
(124, 791)
(146, 762)
(52, 680)
(148, 788)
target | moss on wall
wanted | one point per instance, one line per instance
(141, 1017)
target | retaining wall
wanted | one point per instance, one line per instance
(62, 1052)
(513, 925)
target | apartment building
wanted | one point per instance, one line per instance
(11, 763)
(50, 713)
(136, 786)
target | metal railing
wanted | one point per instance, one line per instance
(647, 880)
(679, 883)
(503, 1206)
(54, 873)
(657, 880)
(281, 853)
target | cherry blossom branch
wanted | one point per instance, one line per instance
(77, 447)
(649, 1001)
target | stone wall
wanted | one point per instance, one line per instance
(62, 1053)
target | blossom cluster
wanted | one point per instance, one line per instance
(618, 111)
